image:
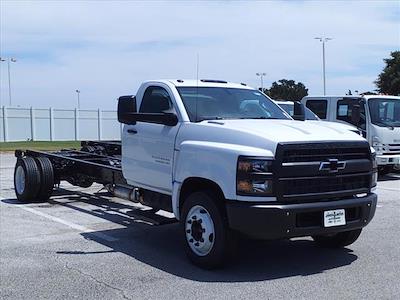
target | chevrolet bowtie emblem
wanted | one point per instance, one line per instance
(332, 165)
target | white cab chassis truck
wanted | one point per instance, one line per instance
(378, 117)
(226, 161)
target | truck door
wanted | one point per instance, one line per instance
(149, 147)
(345, 111)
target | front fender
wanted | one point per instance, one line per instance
(213, 161)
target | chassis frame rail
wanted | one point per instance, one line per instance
(101, 163)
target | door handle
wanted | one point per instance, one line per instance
(132, 131)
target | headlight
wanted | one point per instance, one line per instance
(374, 176)
(254, 177)
(378, 146)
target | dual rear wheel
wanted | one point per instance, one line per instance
(33, 179)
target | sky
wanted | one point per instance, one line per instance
(107, 48)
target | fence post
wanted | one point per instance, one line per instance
(76, 124)
(5, 124)
(33, 131)
(51, 118)
(99, 121)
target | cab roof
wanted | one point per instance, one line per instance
(353, 96)
(208, 83)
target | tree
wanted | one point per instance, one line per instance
(388, 81)
(287, 90)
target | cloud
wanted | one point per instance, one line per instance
(107, 48)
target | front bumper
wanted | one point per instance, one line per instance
(383, 160)
(275, 221)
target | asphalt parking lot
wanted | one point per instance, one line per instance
(85, 244)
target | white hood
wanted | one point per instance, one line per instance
(335, 125)
(264, 134)
(293, 131)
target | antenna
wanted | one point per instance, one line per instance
(198, 64)
(197, 83)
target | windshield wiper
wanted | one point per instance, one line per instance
(212, 118)
(260, 118)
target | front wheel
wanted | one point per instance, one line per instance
(337, 240)
(207, 237)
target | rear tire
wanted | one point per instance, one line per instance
(208, 239)
(338, 240)
(26, 179)
(46, 178)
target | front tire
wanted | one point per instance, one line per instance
(207, 236)
(338, 240)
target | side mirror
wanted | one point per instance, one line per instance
(299, 112)
(126, 108)
(356, 115)
(169, 119)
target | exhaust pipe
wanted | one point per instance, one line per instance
(124, 192)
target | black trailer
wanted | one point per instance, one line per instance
(37, 172)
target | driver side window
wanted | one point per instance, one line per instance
(156, 100)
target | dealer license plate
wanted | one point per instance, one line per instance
(335, 217)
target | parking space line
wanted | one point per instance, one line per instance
(388, 189)
(67, 223)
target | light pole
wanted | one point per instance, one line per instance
(79, 102)
(323, 40)
(261, 77)
(8, 60)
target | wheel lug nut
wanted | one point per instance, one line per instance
(194, 217)
(200, 221)
(188, 231)
(190, 221)
(191, 240)
(197, 244)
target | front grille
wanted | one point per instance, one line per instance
(294, 187)
(391, 149)
(322, 152)
(300, 177)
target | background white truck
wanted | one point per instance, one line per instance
(377, 116)
(288, 106)
(226, 160)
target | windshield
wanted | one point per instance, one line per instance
(289, 108)
(385, 112)
(210, 103)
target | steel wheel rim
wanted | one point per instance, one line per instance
(200, 232)
(20, 180)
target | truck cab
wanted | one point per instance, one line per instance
(228, 161)
(378, 117)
